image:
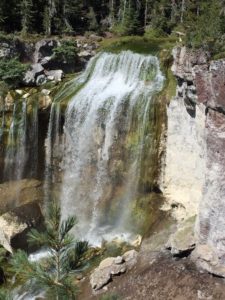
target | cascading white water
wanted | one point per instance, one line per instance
(53, 147)
(15, 157)
(98, 119)
(21, 141)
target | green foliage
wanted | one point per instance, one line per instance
(26, 7)
(46, 21)
(93, 24)
(77, 254)
(2, 255)
(12, 71)
(128, 23)
(206, 28)
(66, 52)
(154, 33)
(202, 21)
(5, 295)
(55, 273)
(138, 44)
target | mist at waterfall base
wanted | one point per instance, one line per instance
(101, 169)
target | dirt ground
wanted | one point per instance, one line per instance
(158, 276)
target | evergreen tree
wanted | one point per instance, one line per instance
(93, 24)
(55, 274)
(26, 8)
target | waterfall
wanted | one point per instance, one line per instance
(53, 148)
(22, 141)
(100, 159)
(15, 157)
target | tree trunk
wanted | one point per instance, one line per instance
(146, 12)
(112, 13)
(182, 11)
(124, 8)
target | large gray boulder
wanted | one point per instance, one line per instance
(183, 240)
(15, 224)
(112, 266)
(32, 74)
(44, 48)
(54, 75)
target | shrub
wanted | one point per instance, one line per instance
(12, 71)
(66, 52)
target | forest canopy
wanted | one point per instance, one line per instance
(202, 22)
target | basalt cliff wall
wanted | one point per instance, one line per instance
(194, 179)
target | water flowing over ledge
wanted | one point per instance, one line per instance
(106, 130)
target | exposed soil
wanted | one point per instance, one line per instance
(158, 276)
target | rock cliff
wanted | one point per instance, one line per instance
(195, 160)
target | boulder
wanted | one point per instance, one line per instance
(55, 75)
(183, 240)
(112, 266)
(118, 260)
(130, 258)
(5, 51)
(32, 74)
(206, 257)
(15, 224)
(41, 79)
(15, 47)
(44, 61)
(103, 274)
(43, 49)
(86, 53)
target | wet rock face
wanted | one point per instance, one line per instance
(207, 82)
(16, 193)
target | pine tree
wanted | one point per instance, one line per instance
(49, 13)
(55, 274)
(93, 24)
(26, 8)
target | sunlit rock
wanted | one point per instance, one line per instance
(195, 153)
(31, 76)
(16, 193)
(55, 75)
(183, 240)
(15, 224)
(112, 266)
